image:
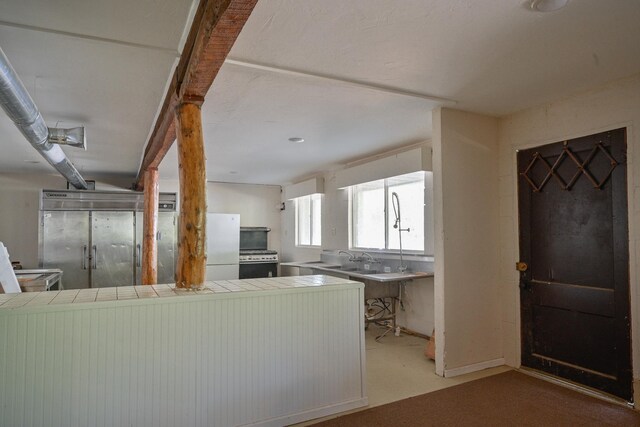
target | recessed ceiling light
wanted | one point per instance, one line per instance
(547, 5)
(296, 139)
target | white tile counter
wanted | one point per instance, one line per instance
(76, 296)
(241, 352)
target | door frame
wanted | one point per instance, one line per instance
(632, 200)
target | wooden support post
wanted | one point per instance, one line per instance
(215, 27)
(192, 257)
(150, 228)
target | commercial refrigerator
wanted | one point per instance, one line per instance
(166, 240)
(223, 246)
(94, 249)
(94, 238)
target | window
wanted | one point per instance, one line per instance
(308, 220)
(373, 216)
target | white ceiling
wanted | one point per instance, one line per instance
(101, 64)
(491, 56)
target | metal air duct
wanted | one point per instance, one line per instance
(20, 108)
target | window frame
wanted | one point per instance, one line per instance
(311, 220)
(386, 249)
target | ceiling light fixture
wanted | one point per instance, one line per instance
(547, 5)
(296, 139)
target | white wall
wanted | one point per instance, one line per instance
(419, 309)
(418, 313)
(467, 300)
(612, 106)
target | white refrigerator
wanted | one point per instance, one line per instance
(223, 246)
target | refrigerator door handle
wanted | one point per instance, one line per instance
(95, 257)
(84, 257)
(138, 255)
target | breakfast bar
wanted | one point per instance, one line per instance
(266, 352)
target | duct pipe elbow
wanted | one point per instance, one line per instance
(17, 103)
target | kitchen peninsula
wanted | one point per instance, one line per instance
(259, 351)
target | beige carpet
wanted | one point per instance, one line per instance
(507, 399)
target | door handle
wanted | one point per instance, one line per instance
(522, 267)
(84, 257)
(138, 255)
(95, 257)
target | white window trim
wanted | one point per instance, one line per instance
(311, 222)
(386, 250)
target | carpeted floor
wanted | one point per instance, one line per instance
(507, 399)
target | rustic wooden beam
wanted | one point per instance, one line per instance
(192, 256)
(150, 227)
(216, 25)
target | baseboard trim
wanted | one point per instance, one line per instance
(448, 373)
(312, 413)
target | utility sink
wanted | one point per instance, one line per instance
(350, 269)
(355, 272)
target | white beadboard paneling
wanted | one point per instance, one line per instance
(249, 357)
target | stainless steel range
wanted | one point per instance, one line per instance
(255, 259)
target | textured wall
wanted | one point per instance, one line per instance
(467, 300)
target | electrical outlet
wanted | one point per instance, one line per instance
(387, 269)
(367, 266)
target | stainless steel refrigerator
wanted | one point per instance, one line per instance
(94, 237)
(223, 246)
(94, 249)
(167, 240)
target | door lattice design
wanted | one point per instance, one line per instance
(582, 168)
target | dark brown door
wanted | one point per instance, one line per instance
(574, 296)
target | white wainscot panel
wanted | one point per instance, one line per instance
(258, 358)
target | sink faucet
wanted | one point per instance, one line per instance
(395, 201)
(352, 257)
(371, 258)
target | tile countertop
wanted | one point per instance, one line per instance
(378, 277)
(94, 295)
